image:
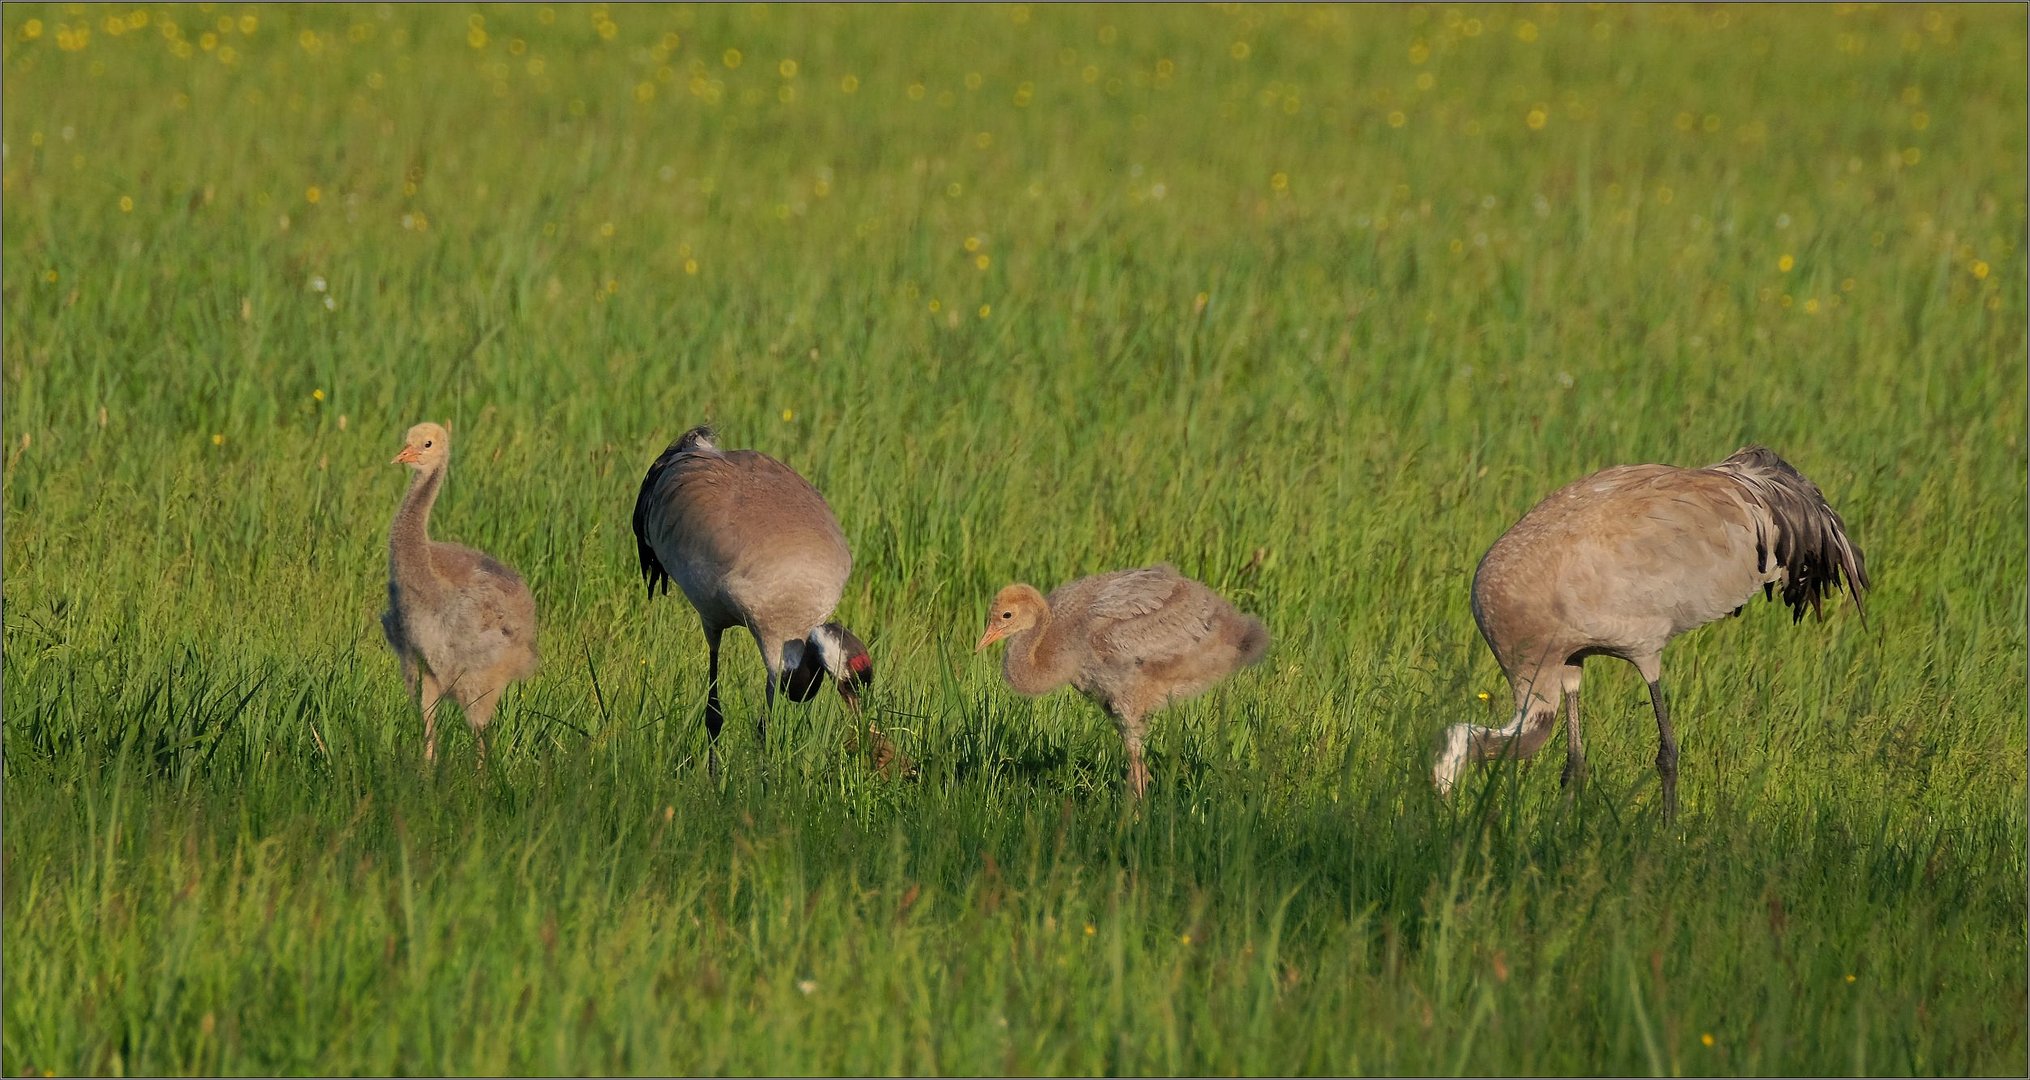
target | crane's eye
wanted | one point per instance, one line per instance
(1007, 614)
(426, 444)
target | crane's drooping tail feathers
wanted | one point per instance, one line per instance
(652, 571)
(1811, 542)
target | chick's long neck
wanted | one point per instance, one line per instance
(1037, 662)
(409, 537)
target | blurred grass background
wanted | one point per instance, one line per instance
(1312, 302)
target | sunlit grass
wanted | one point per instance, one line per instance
(1311, 302)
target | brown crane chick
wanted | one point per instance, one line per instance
(462, 623)
(751, 544)
(1624, 560)
(1132, 641)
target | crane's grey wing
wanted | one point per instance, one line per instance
(691, 485)
(658, 487)
(742, 534)
(788, 505)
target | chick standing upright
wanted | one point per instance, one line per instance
(463, 623)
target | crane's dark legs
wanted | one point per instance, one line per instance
(1573, 779)
(761, 728)
(714, 718)
(1574, 776)
(1666, 751)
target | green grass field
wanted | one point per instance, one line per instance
(1313, 303)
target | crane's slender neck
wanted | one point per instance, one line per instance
(1037, 661)
(409, 537)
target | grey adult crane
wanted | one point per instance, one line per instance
(751, 544)
(1624, 560)
(462, 622)
(1132, 641)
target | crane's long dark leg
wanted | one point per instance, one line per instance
(1651, 667)
(761, 727)
(1666, 751)
(714, 717)
(1574, 776)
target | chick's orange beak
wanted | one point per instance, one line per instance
(993, 634)
(407, 456)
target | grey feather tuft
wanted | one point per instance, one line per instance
(1811, 543)
(698, 438)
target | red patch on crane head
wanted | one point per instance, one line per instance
(860, 663)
